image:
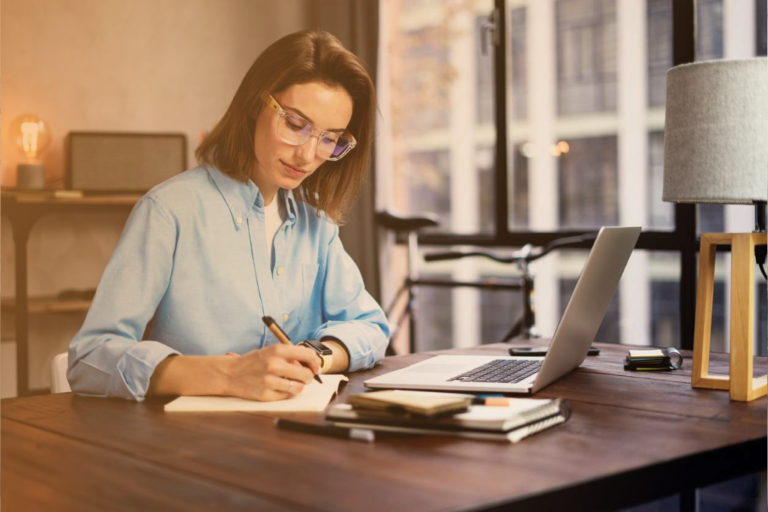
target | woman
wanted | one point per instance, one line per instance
(251, 232)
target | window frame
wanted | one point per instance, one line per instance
(682, 239)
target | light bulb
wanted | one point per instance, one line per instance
(30, 135)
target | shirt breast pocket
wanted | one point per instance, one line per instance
(310, 293)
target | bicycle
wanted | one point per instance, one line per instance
(523, 328)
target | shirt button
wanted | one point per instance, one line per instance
(239, 220)
(285, 318)
(280, 271)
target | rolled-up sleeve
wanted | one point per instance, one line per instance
(352, 315)
(107, 356)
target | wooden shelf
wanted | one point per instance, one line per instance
(92, 200)
(49, 305)
(24, 210)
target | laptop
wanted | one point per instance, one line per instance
(567, 349)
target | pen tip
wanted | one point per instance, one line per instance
(267, 320)
(317, 378)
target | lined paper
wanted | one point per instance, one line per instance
(314, 398)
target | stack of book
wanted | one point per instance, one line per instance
(652, 360)
(415, 412)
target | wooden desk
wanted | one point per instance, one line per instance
(23, 211)
(633, 437)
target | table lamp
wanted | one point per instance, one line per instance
(30, 135)
(715, 151)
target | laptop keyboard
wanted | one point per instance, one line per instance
(501, 371)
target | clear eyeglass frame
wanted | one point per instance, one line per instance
(274, 105)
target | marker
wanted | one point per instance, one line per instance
(356, 434)
(282, 337)
(490, 400)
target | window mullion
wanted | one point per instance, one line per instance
(500, 54)
(684, 52)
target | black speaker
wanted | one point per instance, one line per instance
(123, 162)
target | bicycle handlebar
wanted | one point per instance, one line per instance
(526, 254)
(455, 255)
(562, 242)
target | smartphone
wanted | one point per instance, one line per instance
(542, 351)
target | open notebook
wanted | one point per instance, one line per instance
(314, 398)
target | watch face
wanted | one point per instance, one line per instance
(317, 345)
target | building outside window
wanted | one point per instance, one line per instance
(661, 215)
(484, 74)
(586, 56)
(569, 138)
(659, 50)
(589, 183)
(518, 48)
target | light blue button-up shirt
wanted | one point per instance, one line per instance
(193, 260)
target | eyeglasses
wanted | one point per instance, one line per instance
(295, 130)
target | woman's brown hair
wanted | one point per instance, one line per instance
(299, 58)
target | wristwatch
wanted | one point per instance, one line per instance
(325, 353)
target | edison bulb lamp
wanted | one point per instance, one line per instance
(30, 136)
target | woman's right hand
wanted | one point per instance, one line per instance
(271, 373)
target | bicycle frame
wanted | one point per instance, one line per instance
(524, 328)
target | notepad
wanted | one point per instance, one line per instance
(314, 398)
(411, 402)
(653, 360)
(646, 353)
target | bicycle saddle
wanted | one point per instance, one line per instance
(399, 223)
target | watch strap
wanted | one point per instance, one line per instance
(327, 362)
(326, 359)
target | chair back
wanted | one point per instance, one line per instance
(59, 382)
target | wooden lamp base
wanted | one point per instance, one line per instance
(743, 387)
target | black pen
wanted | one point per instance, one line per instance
(356, 434)
(282, 337)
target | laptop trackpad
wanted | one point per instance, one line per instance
(436, 368)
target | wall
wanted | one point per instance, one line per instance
(113, 65)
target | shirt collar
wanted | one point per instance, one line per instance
(290, 205)
(241, 197)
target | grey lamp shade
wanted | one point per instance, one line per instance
(716, 132)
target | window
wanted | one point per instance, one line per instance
(709, 46)
(484, 74)
(761, 44)
(586, 56)
(500, 311)
(709, 33)
(518, 47)
(519, 206)
(661, 215)
(665, 299)
(589, 183)
(430, 183)
(484, 163)
(434, 326)
(422, 103)
(441, 109)
(659, 50)
(559, 169)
